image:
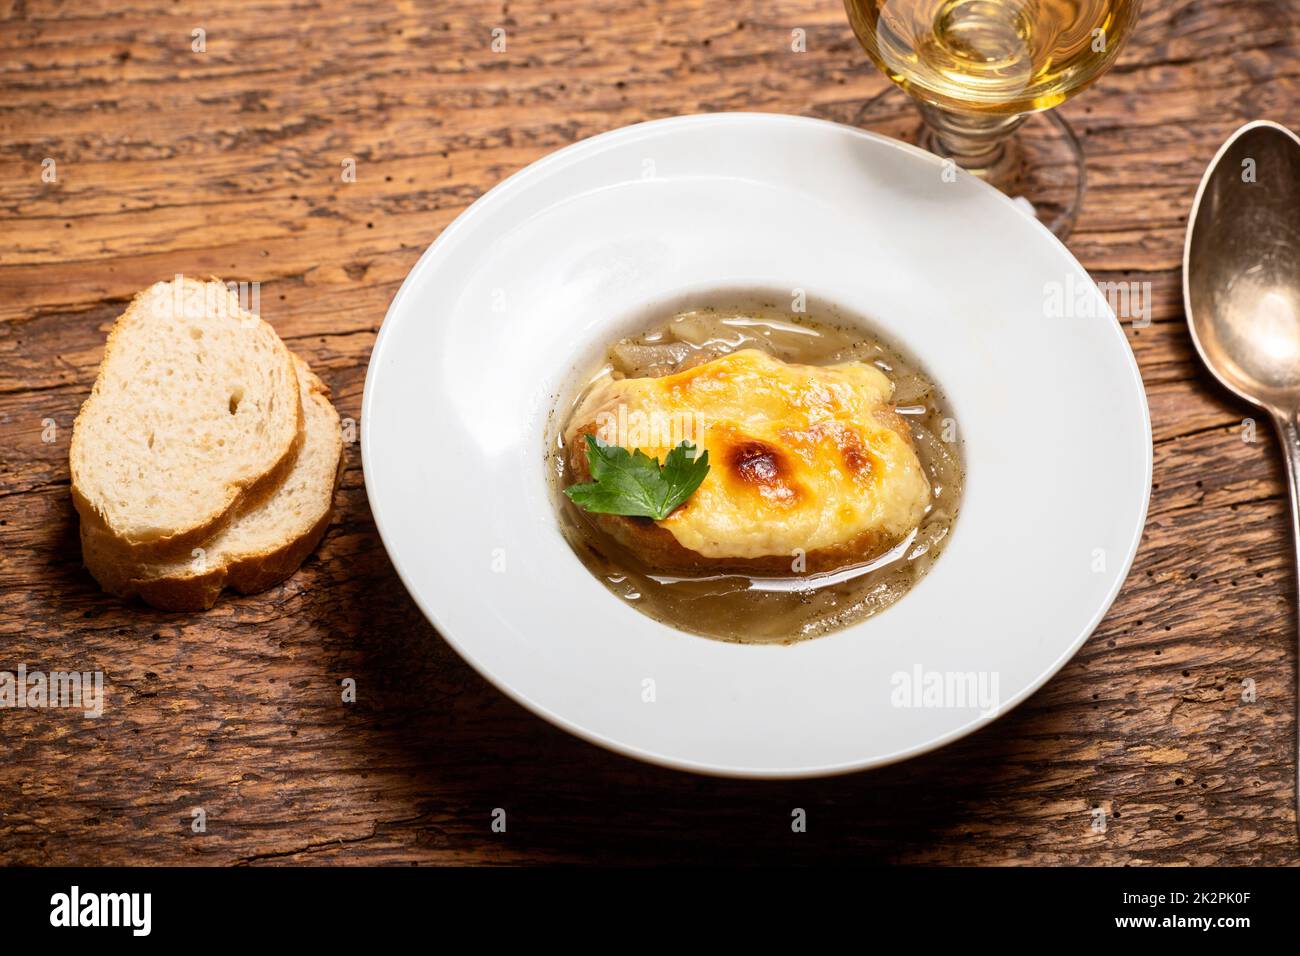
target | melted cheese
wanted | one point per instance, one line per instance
(802, 457)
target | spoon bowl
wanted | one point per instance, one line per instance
(1241, 277)
(1241, 287)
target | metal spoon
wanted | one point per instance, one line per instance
(1241, 286)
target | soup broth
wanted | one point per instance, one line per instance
(771, 609)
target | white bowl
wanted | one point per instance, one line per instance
(536, 277)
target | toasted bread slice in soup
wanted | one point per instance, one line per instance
(263, 546)
(805, 461)
(194, 414)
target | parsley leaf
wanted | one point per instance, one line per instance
(633, 484)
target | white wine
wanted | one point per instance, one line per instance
(992, 56)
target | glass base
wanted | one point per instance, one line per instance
(1040, 163)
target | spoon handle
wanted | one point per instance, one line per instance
(1288, 427)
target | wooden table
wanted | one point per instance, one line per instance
(229, 162)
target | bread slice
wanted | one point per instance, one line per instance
(263, 545)
(194, 413)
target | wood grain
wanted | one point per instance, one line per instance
(228, 162)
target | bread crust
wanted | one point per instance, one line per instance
(237, 497)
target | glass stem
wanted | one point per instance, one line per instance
(979, 143)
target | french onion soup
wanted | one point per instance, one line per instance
(757, 476)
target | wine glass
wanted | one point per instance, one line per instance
(979, 69)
